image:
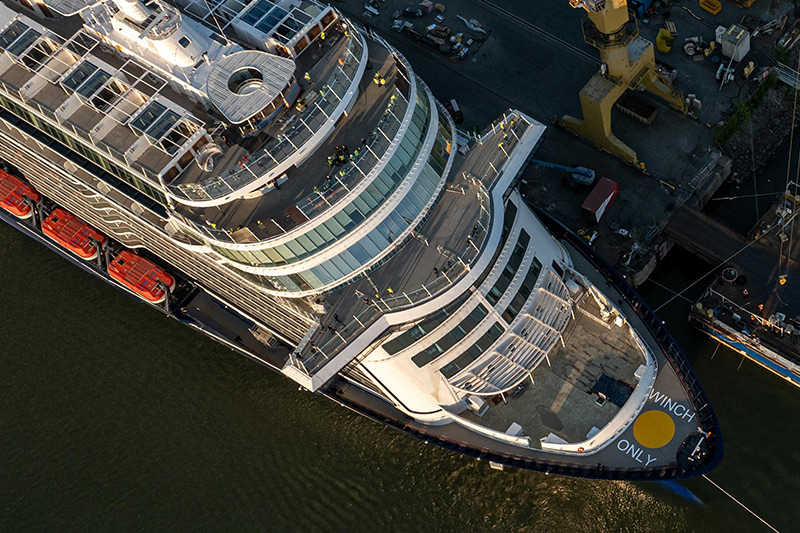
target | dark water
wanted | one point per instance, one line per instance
(115, 418)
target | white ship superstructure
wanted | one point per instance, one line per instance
(305, 185)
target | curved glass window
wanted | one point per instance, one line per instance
(452, 337)
(473, 352)
(338, 268)
(361, 207)
(510, 270)
(524, 291)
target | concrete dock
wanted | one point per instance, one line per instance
(683, 168)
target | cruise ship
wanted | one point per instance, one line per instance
(277, 177)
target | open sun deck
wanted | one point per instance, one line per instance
(579, 389)
(305, 191)
(284, 128)
(432, 259)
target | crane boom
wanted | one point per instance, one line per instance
(582, 175)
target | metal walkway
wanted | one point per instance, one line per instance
(788, 75)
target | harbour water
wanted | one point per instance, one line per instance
(114, 418)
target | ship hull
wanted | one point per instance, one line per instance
(360, 401)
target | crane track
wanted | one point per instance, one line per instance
(546, 36)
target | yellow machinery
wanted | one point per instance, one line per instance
(628, 63)
(664, 40)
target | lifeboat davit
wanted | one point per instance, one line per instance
(72, 233)
(12, 196)
(141, 276)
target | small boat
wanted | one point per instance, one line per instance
(12, 196)
(72, 233)
(141, 276)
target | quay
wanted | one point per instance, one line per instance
(684, 168)
(709, 239)
(753, 301)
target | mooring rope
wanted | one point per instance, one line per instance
(728, 494)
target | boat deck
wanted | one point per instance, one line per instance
(227, 323)
(410, 273)
(318, 61)
(564, 398)
(279, 209)
(624, 456)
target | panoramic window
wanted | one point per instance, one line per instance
(473, 352)
(452, 337)
(524, 291)
(510, 269)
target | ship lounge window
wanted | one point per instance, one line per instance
(272, 19)
(512, 265)
(409, 337)
(179, 135)
(524, 291)
(78, 76)
(108, 95)
(163, 125)
(292, 25)
(148, 116)
(259, 9)
(508, 219)
(22, 44)
(97, 80)
(36, 56)
(473, 352)
(452, 337)
(12, 33)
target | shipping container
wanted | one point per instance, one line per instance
(599, 200)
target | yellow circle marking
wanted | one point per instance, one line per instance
(654, 429)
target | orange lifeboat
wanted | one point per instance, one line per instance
(12, 196)
(141, 276)
(72, 233)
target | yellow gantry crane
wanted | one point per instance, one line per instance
(628, 63)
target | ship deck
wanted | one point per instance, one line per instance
(624, 456)
(611, 462)
(408, 272)
(319, 61)
(425, 265)
(564, 395)
(278, 209)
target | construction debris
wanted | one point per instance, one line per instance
(473, 25)
(791, 36)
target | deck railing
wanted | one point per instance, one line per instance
(278, 150)
(706, 418)
(460, 262)
(705, 414)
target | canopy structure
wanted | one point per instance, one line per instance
(68, 7)
(243, 83)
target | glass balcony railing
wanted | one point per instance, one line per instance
(360, 166)
(278, 150)
(513, 127)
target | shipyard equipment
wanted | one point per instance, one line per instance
(628, 63)
(580, 175)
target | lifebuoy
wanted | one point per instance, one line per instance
(580, 450)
